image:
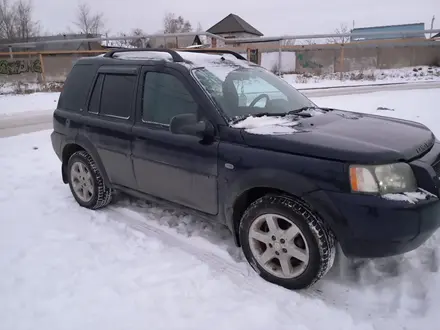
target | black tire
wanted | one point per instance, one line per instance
(319, 239)
(102, 195)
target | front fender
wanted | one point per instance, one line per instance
(290, 183)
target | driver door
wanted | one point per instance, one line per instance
(177, 168)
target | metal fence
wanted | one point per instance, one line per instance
(317, 59)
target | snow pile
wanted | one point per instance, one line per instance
(267, 125)
(370, 76)
(21, 88)
(118, 43)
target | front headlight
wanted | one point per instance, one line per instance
(382, 179)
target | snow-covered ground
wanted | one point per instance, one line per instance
(138, 266)
(365, 77)
(10, 103)
(13, 104)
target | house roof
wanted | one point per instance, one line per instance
(436, 36)
(233, 23)
(391, 31)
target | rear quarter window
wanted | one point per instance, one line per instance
(76, 87)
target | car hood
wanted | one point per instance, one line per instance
(344, 136)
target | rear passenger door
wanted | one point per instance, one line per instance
(110, 121)
(178, 168)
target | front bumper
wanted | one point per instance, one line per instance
(372, 226)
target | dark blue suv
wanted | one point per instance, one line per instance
(226, 140)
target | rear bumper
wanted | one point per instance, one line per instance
(374, 227)
(57, 139)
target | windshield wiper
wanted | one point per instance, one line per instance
(296, 111)
(281, 114)
(269, 114)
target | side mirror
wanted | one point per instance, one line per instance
(187, 124)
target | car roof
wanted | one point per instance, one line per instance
(190, 59)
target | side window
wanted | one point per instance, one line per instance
(117, 95)
(165, 96)
(96, 95)
(77, 86)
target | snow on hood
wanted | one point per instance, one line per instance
(267, 125)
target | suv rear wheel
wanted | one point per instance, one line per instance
(286, 243)
(86, 183)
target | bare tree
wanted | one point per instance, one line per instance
(122, 43)
(288, 42)
(7, 20)
(309, 42)
(26, 27)
(127, 42)
(88, 22)
(199, 27)
(138, 43)
(16, 20)
(343, 28)
(173, 24)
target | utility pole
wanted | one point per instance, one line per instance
(432, 25)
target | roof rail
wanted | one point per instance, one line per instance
(176, 57)
(214, 51)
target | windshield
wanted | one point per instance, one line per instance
(242, 91)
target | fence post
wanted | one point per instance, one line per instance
(341, 62)
(43, 72)
(279, 57)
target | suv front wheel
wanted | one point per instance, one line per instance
(285, 243)
(86, 183)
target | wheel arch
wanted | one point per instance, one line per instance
(70, 148)
(258, 183)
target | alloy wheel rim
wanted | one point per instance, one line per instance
(82, 182)
(279, 246)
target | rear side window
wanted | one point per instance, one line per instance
(76, 87)
(117, 95)
(96, 95)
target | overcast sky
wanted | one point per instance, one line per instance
(272, 17)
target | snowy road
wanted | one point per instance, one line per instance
(138, 266)
(25, 121)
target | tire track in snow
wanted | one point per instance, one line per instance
(243, 276)
(332, 290)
